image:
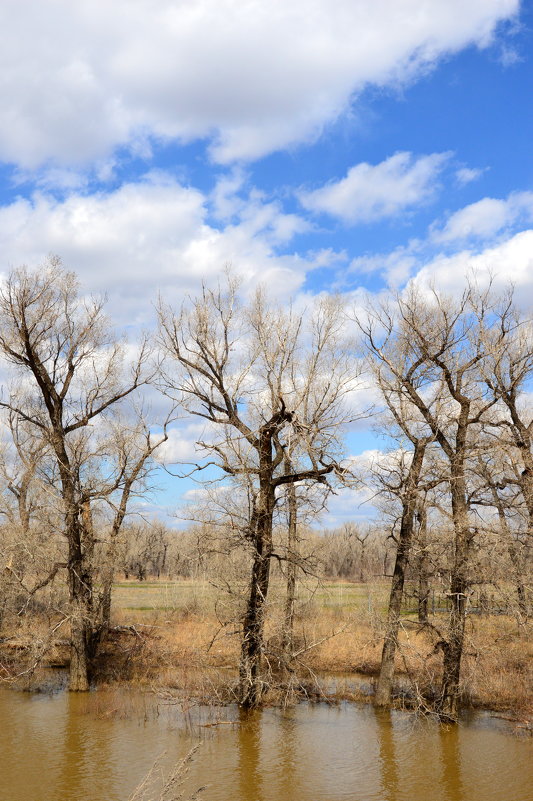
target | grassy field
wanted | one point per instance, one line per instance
(163, 595)
(190, 594)
(184, 636)
(190, 641)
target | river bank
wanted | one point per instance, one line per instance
(177, 644)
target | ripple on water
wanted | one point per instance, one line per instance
(97, 747)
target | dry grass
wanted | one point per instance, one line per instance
(498, 665)
(338, 631)
(161, 785)
(167, 635)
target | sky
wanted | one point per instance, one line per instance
(352, 146)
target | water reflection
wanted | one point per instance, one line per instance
(72, 759)
(387, 755)
(449, 737)
(287, 755)
(54, 749)
(249, 747)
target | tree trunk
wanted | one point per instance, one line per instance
(287, 645)
(108, 576)
(422, 566)
(521, 596)
(80, 578)
(251, 683)
(386, 674)
(80, 589)
(448, 702)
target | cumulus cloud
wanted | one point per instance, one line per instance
(511, 261)
(395, 267)
(153, 236)
(373, 192)
(348, 505)
(181, 447)
(478, 239)
(486, 217)
(81, 78)
(357, 503)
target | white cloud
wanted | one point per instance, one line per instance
(348, 505)
(180, 446)
(81, 78)
(509, 56)
(508, 262)
(487, 226)
(372, 192)
(357, 503)
(486, 217)
(395, 267)
(226, 202)
(153, 236)
(465, 175)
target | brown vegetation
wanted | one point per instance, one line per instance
(182, 652)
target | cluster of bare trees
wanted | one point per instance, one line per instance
(454, 376)
(355, 552)
(275, 389)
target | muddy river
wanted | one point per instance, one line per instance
(97, 747)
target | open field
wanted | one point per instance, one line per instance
(182, 642)
(184, 637)
(187, 594)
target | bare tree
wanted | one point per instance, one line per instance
(30, 552)
(400, 477)
(270, 386)
(422, 569)
(439, 348)
(287, 635)
(129, 454)
(501, 489)
(71, 372)
(508, 371)
(408, 491)
(300, 506)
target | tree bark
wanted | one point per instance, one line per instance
(448, 701)
(80, 567)
(422, 565)
(386, 674)
(252, 646)
(251, 684)
(80, 591)
(287, 639)
(80, 580)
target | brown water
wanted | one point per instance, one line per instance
(96, 748)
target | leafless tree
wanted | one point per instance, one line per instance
(500, 490)
(129, 464)
(70, 374)
(508, 371)
(268, 384)
(31, 554)
(435, 348)
(342, 555)
(400, 477)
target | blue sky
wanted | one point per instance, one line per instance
(314, 145)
